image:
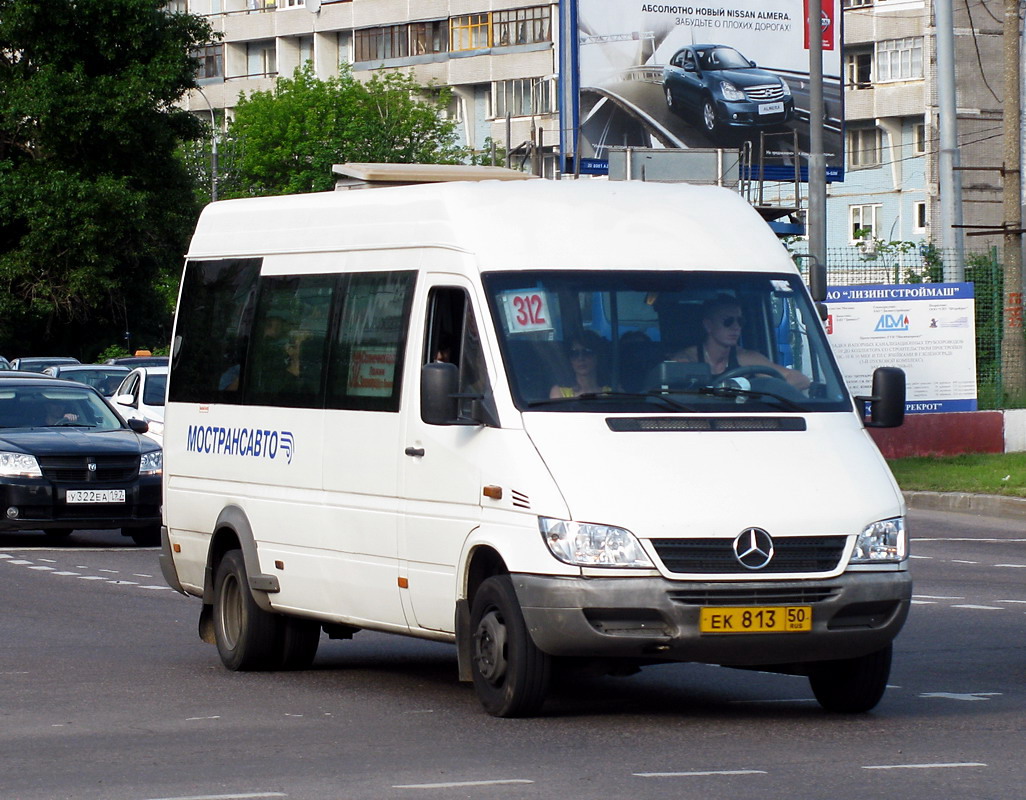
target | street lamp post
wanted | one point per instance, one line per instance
(213, 147)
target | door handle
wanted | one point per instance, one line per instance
(415, 451)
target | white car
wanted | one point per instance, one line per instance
(141, 396)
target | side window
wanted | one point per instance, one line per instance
(211, 331)
(453, 336)
(286, 361)
(367, 354)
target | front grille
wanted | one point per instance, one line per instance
(716, 556)
(75, 469)
(754, 596)
(761, 94)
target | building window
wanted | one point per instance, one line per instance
(261, 59)
(862, 222)
(378, 44)
(521, 26)
(522, 97)
(919, 217)
(865, 146)
(858, 69)
(919, 138)
(429, 37)
(292, 3)
(211, 61)
(469, 32)
(261, 5)
(856, 3)
(899, 59)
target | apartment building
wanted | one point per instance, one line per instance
(892, 141)
(498, 56)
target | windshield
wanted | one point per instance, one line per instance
(662, 341)
(54, 407)
(722, 58)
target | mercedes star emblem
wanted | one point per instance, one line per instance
(753, 548)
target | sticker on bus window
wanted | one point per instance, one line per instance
(372, 372)
(527, 310)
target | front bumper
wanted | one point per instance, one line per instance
(656, 619)
(39, 504)
(745, 114)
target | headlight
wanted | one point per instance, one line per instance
(882, 542)
(585, 544)
(19, 465)
(730, 91)
(785, 87)
(151, 463)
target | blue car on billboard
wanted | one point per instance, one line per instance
(725, 90)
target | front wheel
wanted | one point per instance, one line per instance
(247, 637)
(852, 685)
(709, 116)
(511, 675)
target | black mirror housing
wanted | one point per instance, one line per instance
(887, 403)
(139, 425)
(439, 385)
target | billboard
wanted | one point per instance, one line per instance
(704, 75)
(927, 329)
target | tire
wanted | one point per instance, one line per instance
(511, 675)
(669, 99)
(300, 638)
(146, 537)
(247, 637)
(708, 116)
(853, 685)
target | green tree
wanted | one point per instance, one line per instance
(285, 141)
(95, 209)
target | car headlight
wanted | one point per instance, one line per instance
(785, 87)
(881, 542)
(151, 463)
(585, 544)
(730, 91)
(19, 465)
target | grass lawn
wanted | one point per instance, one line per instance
(980, 473)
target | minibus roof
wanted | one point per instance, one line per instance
(530, 224)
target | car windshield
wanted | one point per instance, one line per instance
(105, 380)
(606, 341)
(28, 406)
(156, 388)
(722, 58)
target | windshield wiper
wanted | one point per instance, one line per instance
(659, 396)
(734, 391)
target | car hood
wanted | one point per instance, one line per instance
(743, 78)
(74, 441)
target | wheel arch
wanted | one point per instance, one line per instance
(232, 531)
(482, 562)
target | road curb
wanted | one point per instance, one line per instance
(988, 505)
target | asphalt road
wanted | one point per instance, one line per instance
(107, 692)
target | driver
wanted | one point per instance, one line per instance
(721, 325)
(56, 414)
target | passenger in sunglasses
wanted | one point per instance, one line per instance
(583, 354)
(722, 324)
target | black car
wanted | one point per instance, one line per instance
(722, 89)
(68, 461)
(39, 363)
(105, 378)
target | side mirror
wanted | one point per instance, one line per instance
(751, 63)
(124, 400)
(887, 403)
(689, 67)
(439, 385)
(138, 425)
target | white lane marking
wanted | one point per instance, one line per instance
(66, 573)
(114, 571)
(1012, 566)
(936, 597)
(194, 719)
(158, 588)
(1010, 601)
(123, 583)
(49, 560)
(459, 784)
(247, 796)
(967, 696)
(960, 561)
(927, 766)
(20, 562)
(91, 578)
(43, 567)
(975, 607)
(700, 774)
(922, 602)
(924, 558)
(965, 539)
(141, 575)
(6, 555)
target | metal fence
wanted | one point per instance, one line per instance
(906, 263)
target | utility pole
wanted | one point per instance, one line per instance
(948, 176)
(1013, 345)
(817, 160)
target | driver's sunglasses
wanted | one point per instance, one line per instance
(728, 322)
(581, 352)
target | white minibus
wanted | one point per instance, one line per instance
(550, 422)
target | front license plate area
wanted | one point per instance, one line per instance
(756, 619)
(78, 496)
(771, 108)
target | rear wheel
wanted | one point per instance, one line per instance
(511, 675)
(852, 685)
(247, 637)
(300, 639)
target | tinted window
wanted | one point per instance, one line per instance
(154, 390)
(214, 316)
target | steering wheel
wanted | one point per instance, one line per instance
(749, 371)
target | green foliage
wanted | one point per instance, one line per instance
(285, 141)
(979, 473)
(94, 206)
